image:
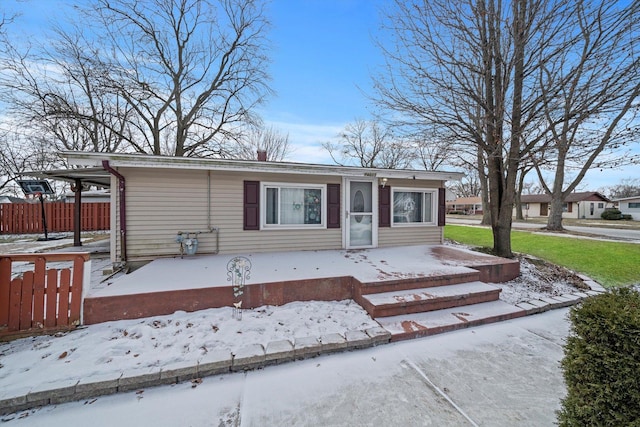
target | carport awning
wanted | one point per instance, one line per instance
(89, 176)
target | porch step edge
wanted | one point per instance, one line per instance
(424, 324)
(429, 299)
(367, 288)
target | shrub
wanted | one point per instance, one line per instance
(601, 361)
(611, 214)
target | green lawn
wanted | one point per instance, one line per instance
(610, 263)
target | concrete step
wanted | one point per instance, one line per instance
(417, 282)
(418, 325)
(428, 299)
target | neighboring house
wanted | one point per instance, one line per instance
(12, 199)
(89, 196)
(235, 206)
(468, 205)
(629, 206)
(577, 205)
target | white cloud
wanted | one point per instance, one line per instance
(306, 140)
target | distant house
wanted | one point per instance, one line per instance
(588, 205)
(629, 206)
(468, 205)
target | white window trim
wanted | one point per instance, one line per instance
(263, 204)
(434, 206)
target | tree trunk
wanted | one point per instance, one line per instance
(518, 204)
(502, 240)
(554, 222)
(484, 187)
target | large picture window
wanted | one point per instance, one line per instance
(414, 206)
(292, 206)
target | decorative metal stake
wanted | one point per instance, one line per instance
(238, 271)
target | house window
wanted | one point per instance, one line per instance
(293, 206)
(634, 205)
(600, 205)
(411, 206)
(565, 207)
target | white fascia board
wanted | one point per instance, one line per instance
(147, 161)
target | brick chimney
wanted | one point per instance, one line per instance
(262, 155)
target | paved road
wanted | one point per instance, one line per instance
(618, 234)
(503, 374)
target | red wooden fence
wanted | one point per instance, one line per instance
(26, 218)
(42, 299)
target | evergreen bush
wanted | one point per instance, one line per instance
(611, 214)
(601, 364)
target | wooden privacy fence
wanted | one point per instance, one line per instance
(26, 218)
(42, 299)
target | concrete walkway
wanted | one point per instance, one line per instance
(503, 374)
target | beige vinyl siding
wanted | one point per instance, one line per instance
(407, 236)
(162, 202)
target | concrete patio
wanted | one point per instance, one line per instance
(389, 283)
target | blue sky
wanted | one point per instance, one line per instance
(322, 61)
(323, 52)
(323, 58)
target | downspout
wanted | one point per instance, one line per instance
(123, 205)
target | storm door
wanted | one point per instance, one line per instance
(361, 215)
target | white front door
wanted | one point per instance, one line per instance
(361, 213)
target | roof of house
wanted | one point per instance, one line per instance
(94, 172)
(466, 201)
(624, 199)
(573, 197)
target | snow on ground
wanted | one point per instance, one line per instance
(137, 345)
(130, 345)
(532, 284)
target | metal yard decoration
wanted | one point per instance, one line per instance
(238, 271)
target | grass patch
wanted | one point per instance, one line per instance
(610, 263)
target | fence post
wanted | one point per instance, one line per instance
(5, 289)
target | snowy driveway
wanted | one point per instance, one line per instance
(502, 374)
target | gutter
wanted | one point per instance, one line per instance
(123, 205)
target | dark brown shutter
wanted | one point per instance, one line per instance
(251, 205)
(384, 206)
(333, 205)
(442, 206)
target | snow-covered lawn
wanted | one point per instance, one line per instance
(130, 345)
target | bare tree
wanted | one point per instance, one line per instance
(270, 140)
(370, 144)
(629, 187)
(191, 71)
(461, 67)
(434, 150)
(590, 98)
(22, 153)
(469, 185)
(58, 91)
